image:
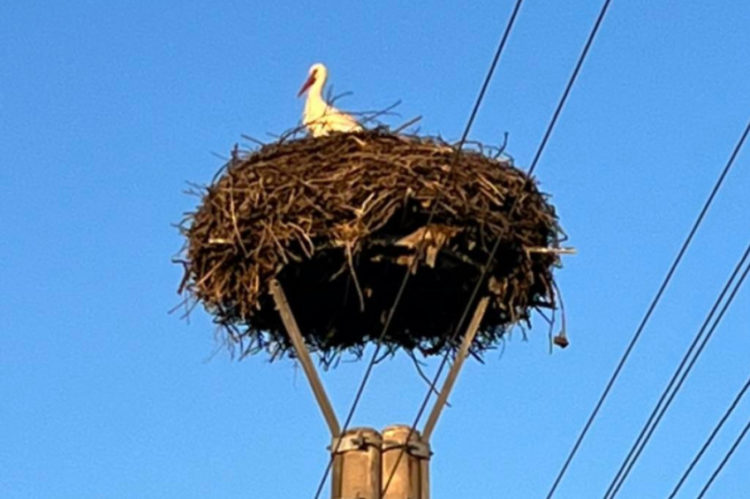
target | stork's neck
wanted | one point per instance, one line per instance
(315, 95)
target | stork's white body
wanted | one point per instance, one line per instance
(319, 117)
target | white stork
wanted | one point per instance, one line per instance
(320, 118)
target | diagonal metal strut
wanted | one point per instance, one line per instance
(304, 357)
(450, 380)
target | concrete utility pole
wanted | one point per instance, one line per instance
(366, 460)
(367, 464)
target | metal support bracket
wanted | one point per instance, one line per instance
(417, 449)
(355, 439)
(450, 380)
(303, 355)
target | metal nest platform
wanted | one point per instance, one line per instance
(337, 220)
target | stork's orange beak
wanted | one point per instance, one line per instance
(307, 84)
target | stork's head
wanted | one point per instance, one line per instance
(317, 75)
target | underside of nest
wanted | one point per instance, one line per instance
(339, 219)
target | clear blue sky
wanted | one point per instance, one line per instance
(107, 108)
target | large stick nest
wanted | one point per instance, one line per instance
(338, 220)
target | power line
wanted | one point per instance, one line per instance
(659, 411)
(496, 245)
(710, 439)
(668, 394)
(649, 311)
(433, 210)
(724, 461)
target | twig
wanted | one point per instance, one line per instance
(407, 124)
